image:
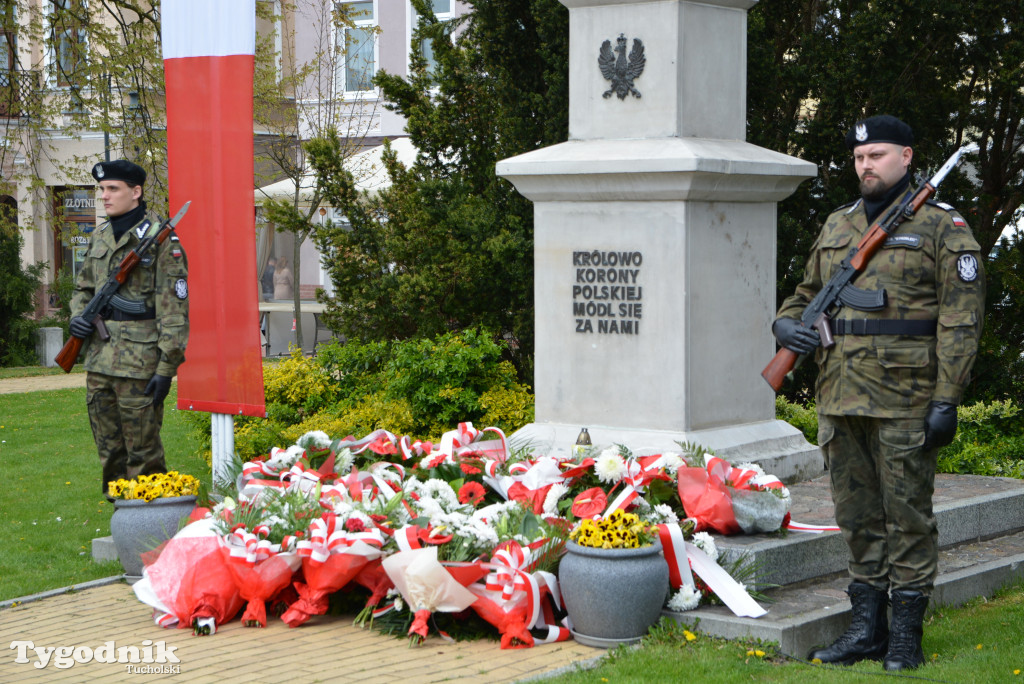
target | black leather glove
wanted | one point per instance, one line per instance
(80, 327)
(158, 386)
(939, 424)
(794, 336)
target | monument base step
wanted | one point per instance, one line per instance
(805, 615)
(778, 447)
(967, 508)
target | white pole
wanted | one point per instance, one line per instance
(222, 430)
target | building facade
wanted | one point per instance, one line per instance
(74, 91)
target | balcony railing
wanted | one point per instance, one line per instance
(19, 90)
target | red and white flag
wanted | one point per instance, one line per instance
(209, 55)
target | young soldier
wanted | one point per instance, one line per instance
(129, 375)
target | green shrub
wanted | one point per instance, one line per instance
(18, 288)
(989, 441)
(803, 418)
(421, 388)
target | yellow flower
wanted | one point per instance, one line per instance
(149, 487)
(690, 636)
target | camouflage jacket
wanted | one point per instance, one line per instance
(931, 269)
(137, 348)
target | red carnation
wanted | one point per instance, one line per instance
(589, 503)
(472, 492)
(355, 525)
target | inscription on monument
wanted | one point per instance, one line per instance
(607, 297)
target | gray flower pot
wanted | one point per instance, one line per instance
(139, 526)
(613, 596)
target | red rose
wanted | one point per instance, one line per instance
(589, 503)
(472, 492)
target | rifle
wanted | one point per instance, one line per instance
(838, 291)
(107, 298)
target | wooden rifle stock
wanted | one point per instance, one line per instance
(68, 354)
(779, 367)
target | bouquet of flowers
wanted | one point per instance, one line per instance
(258, 541)
(730, 500)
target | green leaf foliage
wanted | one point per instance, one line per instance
(18, 289)
(449, 245)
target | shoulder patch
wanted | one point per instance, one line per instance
(967, 267)
(181, 288)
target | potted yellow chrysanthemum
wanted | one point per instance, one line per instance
(613, 579)
(148, 510)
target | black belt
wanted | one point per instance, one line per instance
(877, 326)
(118, 315)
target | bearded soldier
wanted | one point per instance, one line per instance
(887, 391)
(129, 374)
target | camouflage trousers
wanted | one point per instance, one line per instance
(126, 427)
(882, 481)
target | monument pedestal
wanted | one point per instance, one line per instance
(655, 254)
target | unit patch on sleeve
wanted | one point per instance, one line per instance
(967, 268)
(181, 288)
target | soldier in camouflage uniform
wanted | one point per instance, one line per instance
(129, 375)
(887, 391)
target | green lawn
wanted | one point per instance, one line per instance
(51, 505)
(980, 642)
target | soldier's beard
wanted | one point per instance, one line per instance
(876, 190)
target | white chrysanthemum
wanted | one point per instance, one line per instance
(429, 508)
(610, 467)
(441, 492)
(342, 509)
(283, 459)
(480, 532)
(752, 466)
(672, 462)
(706, 543)
(314, 439)
(343, 461)
(557, 491)
(687, 598)
(665, 514)
(495, 511)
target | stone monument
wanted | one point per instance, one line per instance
(654, 240)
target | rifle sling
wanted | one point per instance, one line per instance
(881, 326)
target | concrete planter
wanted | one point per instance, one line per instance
(139, 526)
(613, 596)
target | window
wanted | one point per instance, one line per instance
(68, 19)
(9, 90)
(359, 46)
(443, 12)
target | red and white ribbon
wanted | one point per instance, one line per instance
(674, 547)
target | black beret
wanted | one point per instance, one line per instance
(880, 129)
(120, 169)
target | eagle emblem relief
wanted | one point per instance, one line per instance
(615, 67)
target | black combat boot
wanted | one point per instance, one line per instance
(868, 635)
(905, 643)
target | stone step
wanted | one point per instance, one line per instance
(967, 507)
(808, 614)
